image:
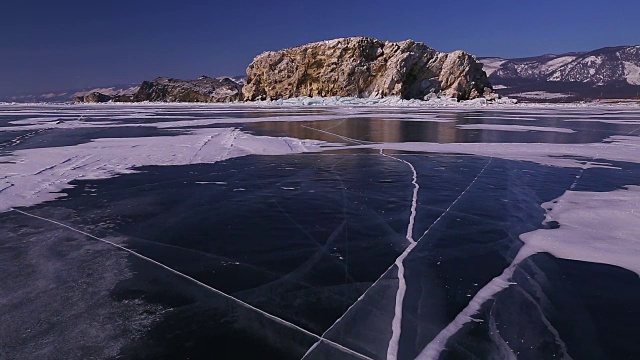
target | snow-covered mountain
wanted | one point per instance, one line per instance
(612, 72)
(240, 79)
(111, 91)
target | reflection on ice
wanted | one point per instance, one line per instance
(515, 128)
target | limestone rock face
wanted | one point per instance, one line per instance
(365, 67)
(203, 89)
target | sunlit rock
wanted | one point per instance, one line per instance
(366, 68)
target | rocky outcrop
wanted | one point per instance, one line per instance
(93, 97)
(203, 89)
(365, 67)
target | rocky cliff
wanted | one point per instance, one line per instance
(203, 89)
(365, 67)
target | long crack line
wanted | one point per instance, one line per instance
(402, 256)
(212, 289)
(392, 349)
(360, 142)
(456, 200)
(396, 324)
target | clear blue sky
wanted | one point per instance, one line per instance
(51, 45)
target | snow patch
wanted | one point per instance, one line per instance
(632, 73)
(593, 60)
(492, 65)
(559, 62)
(52, 95)
(596, 227)
(33, 176)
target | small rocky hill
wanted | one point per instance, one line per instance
(162, 89)
(203, 89)
(365, 67)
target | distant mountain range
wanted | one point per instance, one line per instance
(607, 73)
(70, 95)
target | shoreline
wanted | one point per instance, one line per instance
(390, 102)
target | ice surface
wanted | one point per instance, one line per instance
(36, 175)
(620, 148)
(473, 197)
(435, 348)
(514, 128)
(595, 227)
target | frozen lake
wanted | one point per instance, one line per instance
(197, 231)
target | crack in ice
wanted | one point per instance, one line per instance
(20, 138)
(495, 286)
(336, 125)
(550, 327)
(505, 351)
(361, 142)
(197, 282)
(404, 255)
(6, 187)
(392, 349)
(435, 347)
(456, 200)
(396, 324)
(322, 248)
(204, 143)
